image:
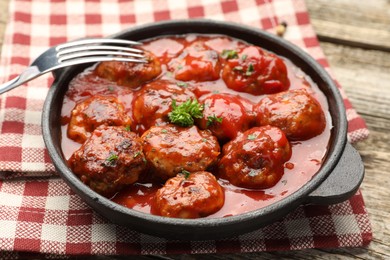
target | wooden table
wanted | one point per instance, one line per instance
(355, 36)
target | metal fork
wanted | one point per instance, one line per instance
(77, 52)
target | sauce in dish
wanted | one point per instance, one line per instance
(209, 126)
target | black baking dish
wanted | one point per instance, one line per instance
(338, 179)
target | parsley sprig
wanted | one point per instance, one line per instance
(250, 70)
(213, 119)
(111, 160)
(252, 137)
(185, 113)
(229, 54)
(186, 174)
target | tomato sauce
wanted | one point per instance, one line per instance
(306, 158)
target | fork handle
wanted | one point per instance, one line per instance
(9, 85)
(27, 75)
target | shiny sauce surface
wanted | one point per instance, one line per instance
(305, 161)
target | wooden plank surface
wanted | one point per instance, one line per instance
(364, 74)
(355, 36)
(3, 19)
(353, 23)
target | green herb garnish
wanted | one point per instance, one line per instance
(111, 159)
(185, 173)
(185, 113)
(243, 57)
(127, 128)
(213, 119)
(252, 137)
(253, 173)
(229, 54)
(137, 154)
(250, 70)
(182, 84)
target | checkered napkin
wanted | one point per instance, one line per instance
(41, 215)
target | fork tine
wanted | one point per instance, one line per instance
(96, 47)
(82, 54)
(94, 59)
(87, 51)
(96, 41)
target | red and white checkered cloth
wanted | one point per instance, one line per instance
(41, 215)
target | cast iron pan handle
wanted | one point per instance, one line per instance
(343, 182)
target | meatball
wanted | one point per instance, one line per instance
(255, 159)
(296, 112)
(196, 62)
(130, 74)
(187, 195)
(93, 112)
(110, 159)
(255, 71)
(153, 102)
(171, 149)
(224, 115)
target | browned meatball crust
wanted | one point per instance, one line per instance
(255, 71)
(255, 159)
(171, 149)
(197, 62)
(130, 74)
(93, 112)
(187, 195)
(225, 116)
(110, 159)
(296, 112)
